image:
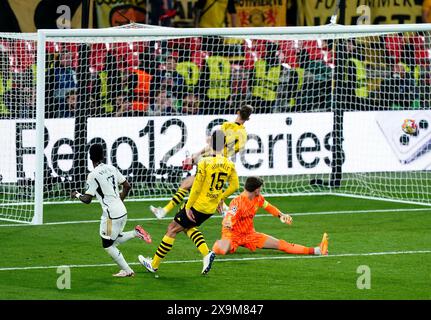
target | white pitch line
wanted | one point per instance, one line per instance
(219, 216)
(228, 260)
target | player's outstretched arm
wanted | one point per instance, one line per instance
(284, 217)
(196, 156)
(85, 198)
(190, 161)
(126, 188)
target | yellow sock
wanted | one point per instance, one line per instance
(177, 198)
(197, 237)
(164, 247)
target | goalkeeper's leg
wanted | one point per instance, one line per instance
(177, 198)
(272, 243)
(222, 247)
(228, 243)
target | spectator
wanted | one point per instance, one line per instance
(21, 98)
(51, 62)
(239, 84)
(215, 85)
(5, 80)
(265, 79)
(398, 88)
(191, 104)
(64, 78)
(123, 107)
(316, 89)
(398, 91)
(289, 90)
(162, 105)
(169, 80)
(353, 80)
(212, 14)
(108, 85)
(70, 104)
(139, 85)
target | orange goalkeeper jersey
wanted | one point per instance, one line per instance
(242, 211)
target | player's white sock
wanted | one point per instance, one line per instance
(317, 251)
(125, 236)
(117, 256)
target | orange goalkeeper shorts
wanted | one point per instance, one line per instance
(251, 241)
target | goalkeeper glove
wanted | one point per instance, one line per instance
(285, 218)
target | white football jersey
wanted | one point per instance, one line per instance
(103, 182)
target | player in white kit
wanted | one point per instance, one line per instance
(103, 182)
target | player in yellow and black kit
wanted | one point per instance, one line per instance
(205, 197)
(236, 137)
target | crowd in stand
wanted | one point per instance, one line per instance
(213, 75)
(194, 77)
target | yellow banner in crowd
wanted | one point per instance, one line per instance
(112, 13)
(184, 17)
(319, 12)
(262, 13)
(37, 14)
(250, 13)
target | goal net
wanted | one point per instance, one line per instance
(17, 122)
(340, 110)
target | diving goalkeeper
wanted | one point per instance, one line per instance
(236, 137)
(238, 227)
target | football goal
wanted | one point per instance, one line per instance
(337, 109)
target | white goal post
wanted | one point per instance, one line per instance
(330, 103)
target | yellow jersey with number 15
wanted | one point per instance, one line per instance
(212, 174)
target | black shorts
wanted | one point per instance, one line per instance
(182, 219)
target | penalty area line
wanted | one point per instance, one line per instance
(220, 259)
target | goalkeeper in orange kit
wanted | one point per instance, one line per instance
(238, 227)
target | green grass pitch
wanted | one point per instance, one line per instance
(392, 239)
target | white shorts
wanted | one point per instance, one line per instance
(111, 228)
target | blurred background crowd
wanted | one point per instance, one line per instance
(210, 75)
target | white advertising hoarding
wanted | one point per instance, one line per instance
(18, 147)
(375, 141)
(278, 144)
